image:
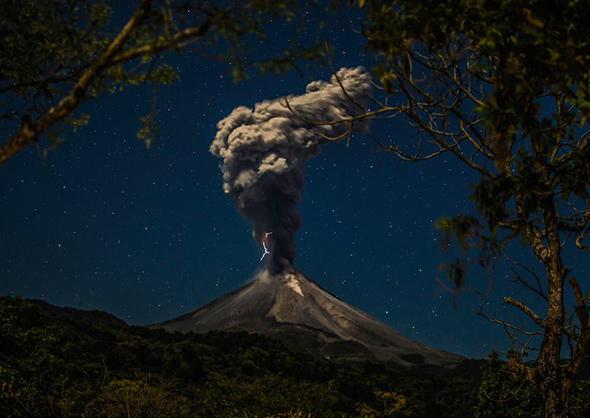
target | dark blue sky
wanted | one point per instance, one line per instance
(103, 223)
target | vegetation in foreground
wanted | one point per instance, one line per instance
(61, 362)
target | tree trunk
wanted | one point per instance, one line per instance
(550, 375)
(549, 362)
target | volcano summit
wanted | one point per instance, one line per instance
(294, 309)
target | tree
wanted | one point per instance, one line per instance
(58, 54)
(504, 86)
(503, 395)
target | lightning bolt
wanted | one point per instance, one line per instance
(264, 241)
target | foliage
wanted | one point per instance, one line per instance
(58, 54)
(502, 394)
(503, 86)
(137, 398)
(57, 362)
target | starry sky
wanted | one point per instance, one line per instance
(103, 223)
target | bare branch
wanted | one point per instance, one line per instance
(510, 326)
(412, 158)
(358, 105)
(538, 289)
(344, 120)
(528, 311)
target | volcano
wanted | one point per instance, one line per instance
(263, 152)
(294, 309)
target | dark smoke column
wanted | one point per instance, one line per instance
(264, 150)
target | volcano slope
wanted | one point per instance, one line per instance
(295, 310)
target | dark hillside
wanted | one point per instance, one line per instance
(62, 362)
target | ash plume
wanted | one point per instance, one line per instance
(264, 150)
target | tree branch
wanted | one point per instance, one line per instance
(175, 41)
(528, 311)
(517, 368)
(538, 290)
(30, 130)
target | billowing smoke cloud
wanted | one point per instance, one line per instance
(264, 150)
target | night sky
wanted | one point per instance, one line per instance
(103, 223)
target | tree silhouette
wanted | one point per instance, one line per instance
(505, 88)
